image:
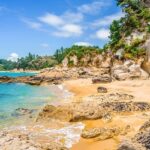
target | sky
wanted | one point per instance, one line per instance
(42, 26)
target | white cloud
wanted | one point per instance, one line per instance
(51, 19)
(103, 34)
(65, 25)
(45, 45)
(13, 57)
(69, 30)
(32, 24)
(106, 21)
(92, 8)
(82, 44)
(72, 17)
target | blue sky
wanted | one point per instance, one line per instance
(42, 26)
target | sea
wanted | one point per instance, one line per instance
(17, 96)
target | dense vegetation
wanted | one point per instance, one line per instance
(136, 19)
(30, 62)
(79, 51)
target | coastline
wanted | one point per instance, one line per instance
(52, 122)
(83, 88)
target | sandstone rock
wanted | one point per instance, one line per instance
(146, 63)
(129, 145)
(74, 59)
(145, 126)
(129, 70)
(102, 90)
(103, 133)
(102, 79)
(65, 62)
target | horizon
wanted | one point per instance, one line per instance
(42, 28)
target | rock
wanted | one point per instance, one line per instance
(129, 145)
(102, 79)
(74, 59)
(102, 90)
(107, 63)
(119, 54)
(103, 133)
(65, 62)
(145, 126)
(146, 63)
(144, 139)
(22, 111)
(5, 79)
(129, 70)
(120, 72)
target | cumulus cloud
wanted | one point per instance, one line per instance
(106, 21)
(103, 34)
(92, 8)
(64, 25)
(51, 19)
(13, 57)
(82, 44)
(69, 30)
(70, 23)
(72, 17)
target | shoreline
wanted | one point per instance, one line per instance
(83, 88)
(11, 71)
(51, 119)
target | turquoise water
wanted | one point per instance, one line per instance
(19, 95)
(16, 74)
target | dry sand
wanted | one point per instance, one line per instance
(140, 89)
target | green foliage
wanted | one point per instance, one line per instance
(134, 49)
(30, 62)
(7, 65)
(115, 32)
(79, 51)
(137, 18)
(35, 62)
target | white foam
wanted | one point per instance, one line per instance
(71, 133)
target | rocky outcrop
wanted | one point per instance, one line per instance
(141, 141)
(129, 70)
(103, 133)
(94, 109)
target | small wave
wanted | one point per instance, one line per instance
(71, 133)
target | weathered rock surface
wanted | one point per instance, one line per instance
(93, 109)
(129, 70)
(102, 79)
(141, 141)
(103, 133)
(20, 141)
(129, 145)
(102, 90)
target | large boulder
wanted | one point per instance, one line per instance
(129, 70)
